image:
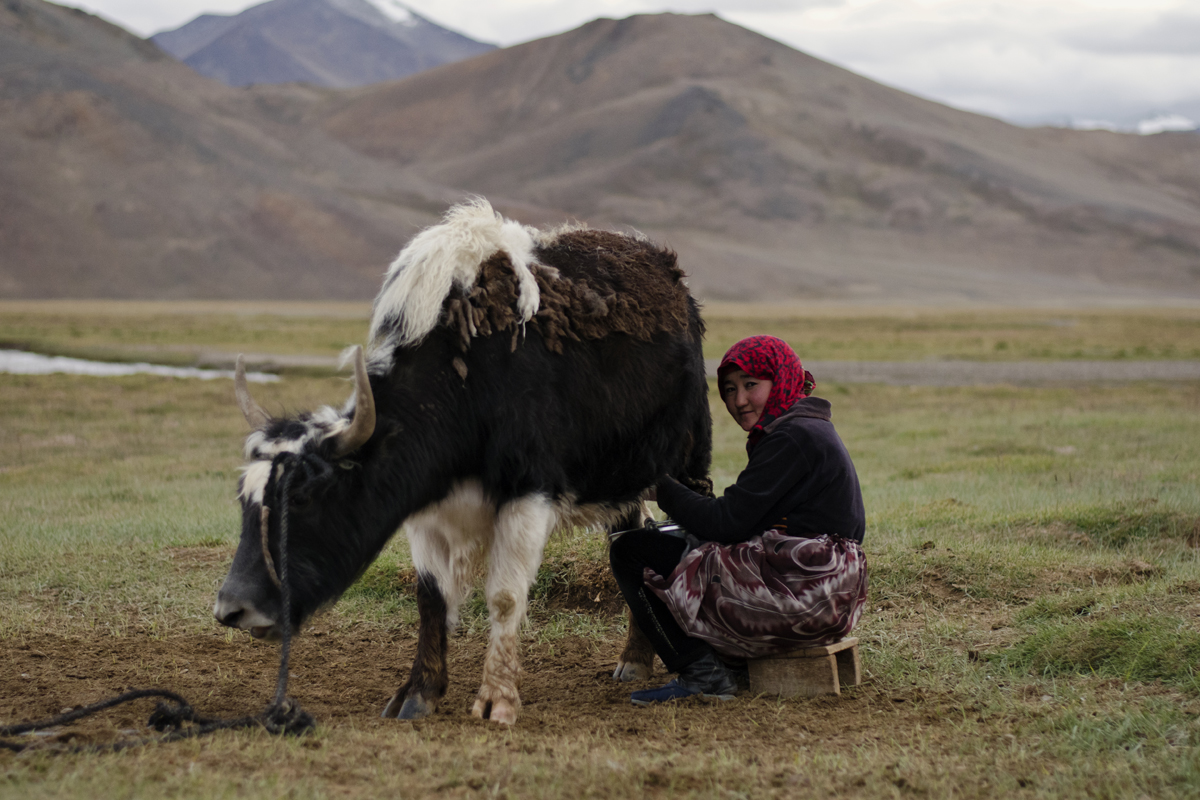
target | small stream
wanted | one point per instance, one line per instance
(18, 362)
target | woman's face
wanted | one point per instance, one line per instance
(745, 396)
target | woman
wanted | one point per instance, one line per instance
(777, 564)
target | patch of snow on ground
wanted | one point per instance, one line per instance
(17, 362)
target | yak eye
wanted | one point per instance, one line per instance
(302, 502)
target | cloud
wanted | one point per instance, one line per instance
(148, 17)
(1019, 60)
(1172, 33)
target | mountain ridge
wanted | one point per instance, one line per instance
(125, 174)
(332, 43)
(690, 124)
(775, 175)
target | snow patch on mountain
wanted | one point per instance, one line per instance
(1159, 123)
(396, 12)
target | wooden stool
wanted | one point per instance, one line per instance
(809, 672)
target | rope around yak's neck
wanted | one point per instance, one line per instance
(285, 592)
(282, 717)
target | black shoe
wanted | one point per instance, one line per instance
(741, 675)
(708, 675)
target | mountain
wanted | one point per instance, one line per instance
(776, 176)
(125, 174)
(775, 173)
(337, 43)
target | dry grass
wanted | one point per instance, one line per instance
(180, 333)
(1033, 626)
(184, 332)
(985, 334)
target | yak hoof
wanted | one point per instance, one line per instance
(413, 707)
(630, 671)
(500, 711)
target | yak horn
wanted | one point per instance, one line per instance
(251, 410)
(363, 424)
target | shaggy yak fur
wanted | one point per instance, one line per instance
(516, 381)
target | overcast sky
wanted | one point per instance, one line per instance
(1027, 61)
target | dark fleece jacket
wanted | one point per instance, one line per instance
(799, 477)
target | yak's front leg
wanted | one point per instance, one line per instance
(430, 676)
(443, 551)
(522, 528)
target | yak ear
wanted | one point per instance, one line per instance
(363, 424)
(251, 410)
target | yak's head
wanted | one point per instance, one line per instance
(302, 472)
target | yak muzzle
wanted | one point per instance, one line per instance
(234, 610)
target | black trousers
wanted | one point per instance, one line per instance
(629, 555)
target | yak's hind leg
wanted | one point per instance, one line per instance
(522, 528)
(637, 659)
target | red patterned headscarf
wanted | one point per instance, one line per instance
(769, 359)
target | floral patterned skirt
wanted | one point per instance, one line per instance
(767, 595)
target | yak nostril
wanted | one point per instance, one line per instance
(230, 618)
(235, 609)
(228, 611)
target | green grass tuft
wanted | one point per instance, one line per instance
(1118, 526)
(1132, 648)
(1056, 607)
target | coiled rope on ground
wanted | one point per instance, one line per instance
(176, 717)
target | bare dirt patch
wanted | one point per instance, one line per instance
(589, 589)
(577, 734)
(343, 678)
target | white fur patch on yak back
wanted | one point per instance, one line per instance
(443, 256)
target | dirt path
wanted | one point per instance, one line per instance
(981, 373)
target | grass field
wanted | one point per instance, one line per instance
(1033, 627)
(177, 332)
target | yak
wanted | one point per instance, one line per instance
(515, 381)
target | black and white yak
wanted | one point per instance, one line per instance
(516, 381)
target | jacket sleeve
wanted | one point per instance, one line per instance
(774, 470)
